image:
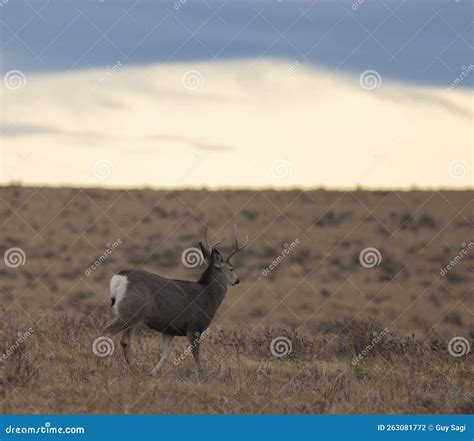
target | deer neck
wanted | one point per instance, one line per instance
(215, 287)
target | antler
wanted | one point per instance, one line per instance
(237, 248)
(210, 247)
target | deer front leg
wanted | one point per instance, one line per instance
(195, 341)
(166, 341)
(126, 343)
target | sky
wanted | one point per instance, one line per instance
(418, 41)
(237, 94)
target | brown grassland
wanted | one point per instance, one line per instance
(319, 296)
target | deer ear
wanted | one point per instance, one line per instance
(205, 252)
(216, 257)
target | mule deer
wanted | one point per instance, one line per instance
(172, 307)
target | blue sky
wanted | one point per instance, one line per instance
(425, 42)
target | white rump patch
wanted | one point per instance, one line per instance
(118, 287)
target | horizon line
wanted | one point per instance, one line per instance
(67, 186)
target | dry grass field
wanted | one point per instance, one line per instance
(395, 315)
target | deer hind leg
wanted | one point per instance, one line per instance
(166, 340)
(195, 341)
(126, 343)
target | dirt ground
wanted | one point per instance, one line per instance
(365, 291)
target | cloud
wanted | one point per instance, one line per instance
(195, 144)
(18, 129)
(24, 130)
(437, 100)
(324, 128)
